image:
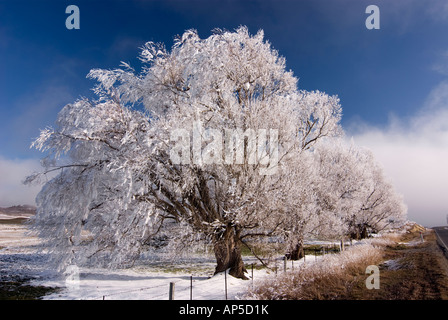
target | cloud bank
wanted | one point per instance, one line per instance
(414, 154)
(12, 190)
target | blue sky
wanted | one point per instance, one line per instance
(389, 80)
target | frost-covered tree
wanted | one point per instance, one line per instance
(325, 181)
(223, 122)
(336, 190)
(354, 191)
(380, 204)
(300, 205)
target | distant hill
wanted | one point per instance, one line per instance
(17, 212)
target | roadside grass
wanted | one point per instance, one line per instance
(409, 270)
(333, 276)
(419, 271)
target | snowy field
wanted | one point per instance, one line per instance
(149, 281)
(147, 284)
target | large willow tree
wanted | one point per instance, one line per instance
(224, 122)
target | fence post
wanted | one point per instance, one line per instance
(225, 281)
(171, 296)
(191, 287)
(284, 263)
(252, 275)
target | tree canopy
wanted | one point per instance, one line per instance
(226, 147)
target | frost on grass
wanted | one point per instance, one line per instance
(317, 279)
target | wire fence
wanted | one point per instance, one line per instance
(220, 287)
(181, 289)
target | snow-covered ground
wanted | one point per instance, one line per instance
(13, 238)
(153, 283)
(138, 284)
(146, 280)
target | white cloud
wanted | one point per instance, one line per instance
(12, 190)
(414, 153)
(441, 65)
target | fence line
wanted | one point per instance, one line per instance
(170, 292)
(171, 289)
(123, 292)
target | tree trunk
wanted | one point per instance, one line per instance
(355, 235)
(228, 254)
(364, 233)
(297, 251)
(360, 232)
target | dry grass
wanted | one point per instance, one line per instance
(419, 272)
(330, 278)
(409, 270)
